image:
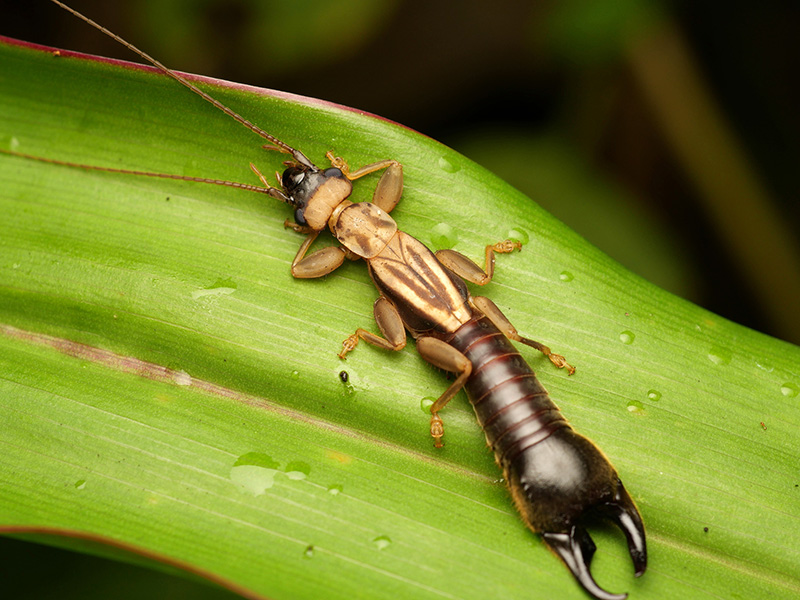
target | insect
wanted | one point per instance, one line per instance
(557, 478)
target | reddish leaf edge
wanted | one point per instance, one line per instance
(22, 531)
(213, 81)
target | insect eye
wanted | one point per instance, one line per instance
(292, 178)
(298, 216)
(333, 172)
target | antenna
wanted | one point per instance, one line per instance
(268, 189)
(281, 146)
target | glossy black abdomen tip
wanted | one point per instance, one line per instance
(576, 548)
(623, 512)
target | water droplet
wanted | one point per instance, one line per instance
(221, 287)
(443, 236)
(789, 390)
(627, 337)
(764, 367)
(182, 378)
(339, 457)
(566, 276)
(518, 234)
(295, 375)
(308, 552)
(382, 542)
(654, 395)
(335, 489)
(447, 166)
(426, 403)
(297, 470)
(80, 484)
(14, 144)
(719, 355)
(254, 472)
(635, 406)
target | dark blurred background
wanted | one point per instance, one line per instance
(666, 133)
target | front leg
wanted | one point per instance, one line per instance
(390, 187)
(467, 269)
(319, 263)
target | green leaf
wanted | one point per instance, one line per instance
(166, 385)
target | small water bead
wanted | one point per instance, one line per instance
(308, 552)
(764, 367)
(635, 406)
(295, 375)
(789, 390)
(297, 470)
(80, 484)
(566, 276)
(627, 337)
(182, 378)
(211, 293)
(518, 234)
(335, 489)
(719, 355)
(448, 166)
(654, 395)
(382, 542)
(254, 472)
(221, 287)
(426, 403)
(443, 236)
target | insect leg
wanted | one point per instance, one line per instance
(496, 316)
(467, 269)
(318, 263)
(444, 356)
(390, 187)
(390, 324)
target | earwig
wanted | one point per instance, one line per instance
(557, 478)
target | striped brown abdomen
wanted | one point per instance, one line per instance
(513, 408)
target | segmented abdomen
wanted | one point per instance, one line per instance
(513, 408)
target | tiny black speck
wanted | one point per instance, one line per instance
(343, 376)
